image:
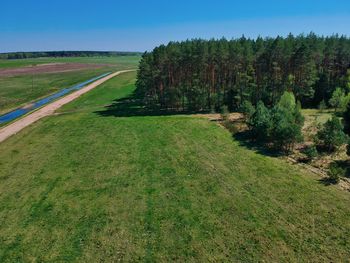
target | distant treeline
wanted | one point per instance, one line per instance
(207, 74)
(20, 55)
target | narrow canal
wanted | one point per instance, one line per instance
(13, 115)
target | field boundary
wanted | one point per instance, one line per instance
(49, 109)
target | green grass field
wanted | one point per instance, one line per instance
(16, 91)
(89, 186)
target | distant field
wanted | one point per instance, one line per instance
(18, 90)
(89, 186)
(121, 61)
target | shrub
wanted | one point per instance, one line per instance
(322, 106)
(285, 131)
(299, 118)
(310, 152)
(337, 99)
(260, 123)
(280, 126)
(346, 118)
(345, 102)
(331, 136)
(287, 123)
(247, 109)
(225, 113)
(287, 101)
(335, 172)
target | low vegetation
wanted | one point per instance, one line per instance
(107, 180)
(346, 116)
(331, 135)
(335, 172)
(279, 126)
(320, 141)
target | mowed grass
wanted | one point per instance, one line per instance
(17, 91)
(88, 187)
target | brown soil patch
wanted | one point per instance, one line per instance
(235, 116)
(49, 68)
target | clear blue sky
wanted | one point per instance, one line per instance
(30, 25)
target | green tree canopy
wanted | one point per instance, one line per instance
(331, 136)
(261, 122)
(287, 123)
(337, 99)
(207, 74)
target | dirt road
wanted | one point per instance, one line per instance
(47, 110)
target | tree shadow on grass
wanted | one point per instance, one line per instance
(327, 181)
(133, 105)
(244, 139)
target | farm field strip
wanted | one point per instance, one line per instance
(114, 61)
(15, 114)
(21, 90)
(15, 127)
(49, 68)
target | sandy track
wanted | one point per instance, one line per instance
(49, 109)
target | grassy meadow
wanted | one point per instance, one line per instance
(101, 181)
(19, 90)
